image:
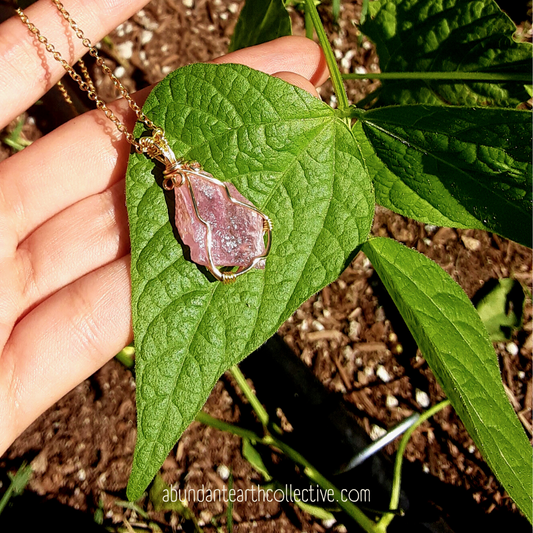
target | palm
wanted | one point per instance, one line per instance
(64, 243)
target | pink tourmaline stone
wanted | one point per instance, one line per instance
(237, 232)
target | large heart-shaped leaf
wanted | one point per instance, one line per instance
(447, 36)
(456, 345)
(289, 154)
(452, 166)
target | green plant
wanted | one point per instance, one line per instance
(422, 150)
(273, 437)
(17, 485)
(15, 139)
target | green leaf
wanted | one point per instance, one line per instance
(456, 346)
(449, 166)
(260, 21)
(250, 453)
(289, 154)
(501, 308)
(447, 36)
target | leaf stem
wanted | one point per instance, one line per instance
(497, 77)
(395, 493)
(260, 411)
(334, 72)
(309, 30)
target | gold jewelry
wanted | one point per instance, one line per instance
(184, 176)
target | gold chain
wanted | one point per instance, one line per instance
(152, 146)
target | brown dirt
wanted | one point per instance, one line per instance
(81, 449)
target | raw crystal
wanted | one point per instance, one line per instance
(237, 232)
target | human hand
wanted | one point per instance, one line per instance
(64, 241)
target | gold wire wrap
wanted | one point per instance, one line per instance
(156, 146)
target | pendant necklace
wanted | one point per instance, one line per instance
(224, 231)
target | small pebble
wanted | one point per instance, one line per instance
(317, 326)
(146, 36)
(470, 243)
(512, 348)
(188, 3)
(233, 7)
(223, 472)
(360, 70)
(425, 468)
(354, 331)
(521, 374)
(119, 71)
(377, 432)
(471, 449)
(82, 476)
(381, 373)
(346, 61)
(422, 398)
(391, 401)
(125, 49)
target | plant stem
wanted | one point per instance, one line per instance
(309, 30)
(498, 77)
(395, 494)
(260, 411)
(270, 440)
(334, 72)
(17, 485)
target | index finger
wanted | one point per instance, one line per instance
(293, 53)
(28, 71)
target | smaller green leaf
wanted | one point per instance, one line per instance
(251, 454)
(452, 166)
(502, 308)
(456, 346)
(260, 21)
(447, 36)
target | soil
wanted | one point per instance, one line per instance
(349, 334)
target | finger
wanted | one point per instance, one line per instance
(78, 240)
(61, 343)
(298, 81)
(86, 155)
(291, 54)
(28, 70)
(83, 157)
